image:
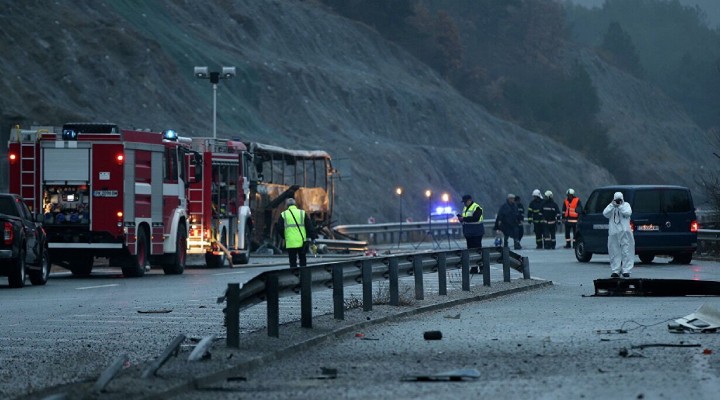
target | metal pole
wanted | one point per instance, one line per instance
(442, 273)
(394, 284)
(401, 221)
(486, 266)
(306, 297)
(214, 110)
(338, 292)
(418, 272)
(272, 294)
(465, 269)
(232, 315)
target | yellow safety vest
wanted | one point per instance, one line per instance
(469, 211)
(295, 233)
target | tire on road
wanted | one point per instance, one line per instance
(177, 264)
(17, 275)
(136, 265)
(39, 278)
(581, 254)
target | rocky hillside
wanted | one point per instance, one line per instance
(306, 79)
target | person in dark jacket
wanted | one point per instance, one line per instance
(507, 221)
(535, 217)
(551, 215)
(472, 222)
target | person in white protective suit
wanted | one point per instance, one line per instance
(621, 243)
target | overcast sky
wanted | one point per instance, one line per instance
(711, 8)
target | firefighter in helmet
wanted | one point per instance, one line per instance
(535, 217)
(551, 215)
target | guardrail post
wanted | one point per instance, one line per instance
(306, 297)
(442, 273)
(232, 315)
(272, 293)
(394, 282)
(486, 266)
(506, 264)
(526, 267)
(367, 285)
(465, 259)
(338, 292)
(418, 272)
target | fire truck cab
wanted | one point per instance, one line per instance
(220, 219)
(107, 192)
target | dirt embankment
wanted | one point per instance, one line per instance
(306, 79)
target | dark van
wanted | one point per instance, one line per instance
(663, 222)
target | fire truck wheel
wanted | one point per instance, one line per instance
(16, 276)
(177, 263)
(244, 257)
(41, 277)
(214, 261)
(81, 265)
(136, 265)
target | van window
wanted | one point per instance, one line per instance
(677, 200)
(647, 201)
(599, 200)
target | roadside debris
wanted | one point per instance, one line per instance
(706, 319)
(655, 287)
(201, 351)
(326, 373)
(453, 376)
(432, 335)
(154, 311)
(456, 316)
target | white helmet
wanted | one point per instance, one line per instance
(548, 194)
(536, 193)
(570, 191)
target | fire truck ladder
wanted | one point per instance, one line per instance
(28, 182)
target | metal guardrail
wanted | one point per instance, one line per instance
(269, 286)
(708, 239)
(709, 243)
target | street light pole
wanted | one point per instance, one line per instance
(399, 192)
(446, 199)
(214, 77)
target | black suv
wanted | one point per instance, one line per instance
(663, 222)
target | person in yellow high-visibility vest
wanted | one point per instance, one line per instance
(298, 229)
(472, 222)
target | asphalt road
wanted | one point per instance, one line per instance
(540, 344)
(554, 343)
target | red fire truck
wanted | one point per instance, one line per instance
(107, 192)
(220, 222)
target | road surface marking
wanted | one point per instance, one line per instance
(95, 287)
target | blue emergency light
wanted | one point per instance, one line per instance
(69, 134)
(170, 134)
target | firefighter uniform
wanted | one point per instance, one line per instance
(535, 217)
(551, 215)
(570, 209)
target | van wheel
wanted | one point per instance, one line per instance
(580, 253)
(684, 258)
(646, 258)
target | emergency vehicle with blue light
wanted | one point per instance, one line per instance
(107, 192)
